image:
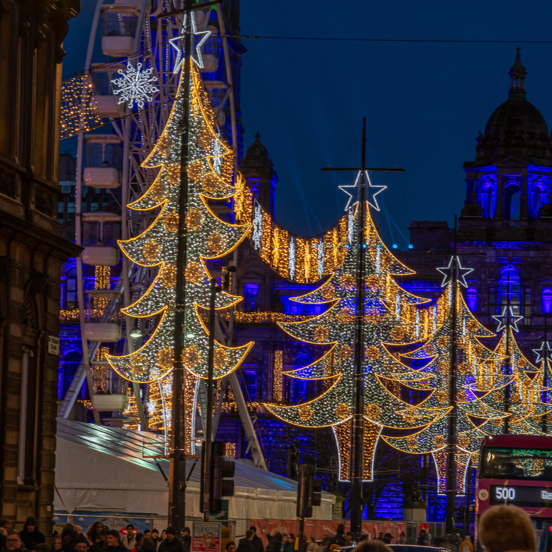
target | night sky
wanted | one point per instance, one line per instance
(424, 103)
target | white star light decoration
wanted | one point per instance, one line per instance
(180, 56)
(508, 314)
(543, 352)
(371, 191)
(135, 85)
(447, 272)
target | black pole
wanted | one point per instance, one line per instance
(507, 344)
(209, 422)
(468, 500)
(545, 358)
(177, 472)
(357, 422)
(451, 445)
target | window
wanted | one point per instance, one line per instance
(546, 301)
(487, 201)
(512, 202)
(250, 383)
(510, 289)
(68, 297)
(540, 198)
(493, 305)
(528, 305)
(472, 298)
(251, 293)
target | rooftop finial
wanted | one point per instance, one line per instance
(258, 136)
(517, 74)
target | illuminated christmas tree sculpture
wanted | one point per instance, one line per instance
(476, 401)
(210, 176)
(526, 397)
(391, 315)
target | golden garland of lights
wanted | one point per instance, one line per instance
(277, 389)
(79, 111)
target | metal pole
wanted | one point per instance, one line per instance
(451, 446)
(507, 344)
(357, 422)
(209, 422)
(545, 363)
(467, 527)
(177, 473)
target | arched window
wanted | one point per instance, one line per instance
(68, 297)
(539, 199)
(472, 296)
(546, 301)
(251, 293)
(512, 202)
(509, 289)
(299, 393)
(67, 369)
(487, 201)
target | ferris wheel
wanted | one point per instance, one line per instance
(130, 64)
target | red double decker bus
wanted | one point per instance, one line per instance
(517, 469)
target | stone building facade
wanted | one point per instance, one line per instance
(31, 252)
(505, 226)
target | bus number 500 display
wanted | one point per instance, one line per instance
(505, 493)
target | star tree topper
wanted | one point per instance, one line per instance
(508, 314)
(543, 352)
(371, 191)
(180, 56)
(447, 272)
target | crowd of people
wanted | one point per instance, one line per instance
(501, 529)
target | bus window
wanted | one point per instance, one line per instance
(498, 463)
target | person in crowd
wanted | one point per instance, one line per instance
(147, 544)
(466, 545)
(246, 544)
(78, 529)
(257, 541)
(186, 539)
(224, 538)
(30, 535)
(13, 542)
(275, 543)
(402, 538)
(94, 531)
(147, 533)
(163, 534)
(422, 537)
(56, 545)
(171, 543)
(387, 538)
(505, 528)
(7, 525)
(312, 546)
(81, 545)
(339, 538)
(156, 539)
(68, 527)
(230, 546)
(289, 544)
(68, 539)
(379, 537)
(129, 540)
(372, 546)
(114, 542)
(42, 547)
(348, 539)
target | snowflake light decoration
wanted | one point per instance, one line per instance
(135, 85)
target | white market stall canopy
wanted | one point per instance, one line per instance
(105, 469)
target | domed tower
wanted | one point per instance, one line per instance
(511, 178)
(257, 169)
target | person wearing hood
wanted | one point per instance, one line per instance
(30, 535)
(147, 545)
(275, 543)
(186, 539)
(171, 543)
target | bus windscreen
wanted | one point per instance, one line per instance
(516, 463)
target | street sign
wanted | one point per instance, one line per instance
(223, 516)
(206, 536)
(53, 345)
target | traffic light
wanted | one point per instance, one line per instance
(219, 470)
(308, 491)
